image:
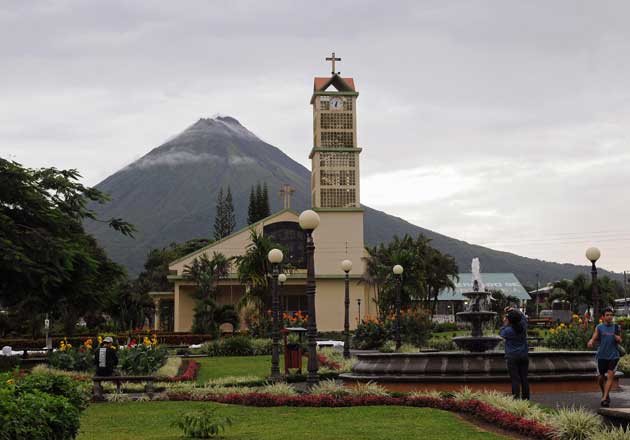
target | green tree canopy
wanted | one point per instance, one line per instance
(48, 263)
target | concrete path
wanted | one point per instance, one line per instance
(619, 398)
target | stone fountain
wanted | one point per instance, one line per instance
(477, 316)
(477, 365)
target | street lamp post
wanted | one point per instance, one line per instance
(309, 221)
(275, 258)
(593, 254)
(346, 266)
(398, 270)
(359, 307)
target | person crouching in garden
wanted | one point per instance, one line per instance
(514, 332)
(607, 334)
(106, 358)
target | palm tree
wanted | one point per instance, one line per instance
(254, 269)
(426, 272)
(206, 273)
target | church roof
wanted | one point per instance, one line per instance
(505, 282)
(240, 231)
(342, 84)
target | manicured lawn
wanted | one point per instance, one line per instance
(222, 366)
(152, 420)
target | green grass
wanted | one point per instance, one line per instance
(152, 420)
(214, 367)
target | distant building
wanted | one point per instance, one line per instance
(453, 301)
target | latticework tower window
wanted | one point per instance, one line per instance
(337, 160)
(337, 178)
(336, 121)
(337, 139)
(338, 197)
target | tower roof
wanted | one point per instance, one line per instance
(341, 84)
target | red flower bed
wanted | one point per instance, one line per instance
(475, 408)
(189, 374)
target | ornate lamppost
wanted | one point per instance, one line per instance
(275, 258)
(309, 221)
(593, 254)
(346, 266)
(398, 270)
(359, 307)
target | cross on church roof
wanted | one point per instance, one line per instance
(286, 192)
(333, 59)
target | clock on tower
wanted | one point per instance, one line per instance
(335, 155)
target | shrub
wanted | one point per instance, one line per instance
(415, 326)
(440, 327)
(441, 344)
(142, 359)
(612, 434)
(624, 364)
(279, 389)
(203, 423)
(575, 424)
(369, 335)
(76, 392)
(238, 346)
(36, 415)
(569, 337)
(330, 388)
(363, 389)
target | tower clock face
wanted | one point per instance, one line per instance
(336, 104)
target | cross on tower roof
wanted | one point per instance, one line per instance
(286, 192)
(332, 58)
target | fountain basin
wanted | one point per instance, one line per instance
(423, 369)
(477, 344)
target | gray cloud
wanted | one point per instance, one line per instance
(496, 122)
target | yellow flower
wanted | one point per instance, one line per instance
(146, 341)
(552, 330)
(580, 321)
(10, 382)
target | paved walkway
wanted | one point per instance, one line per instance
(619, 398)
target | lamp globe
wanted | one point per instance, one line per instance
(593, 254)
(282, 278)
(309, 220)
(275, 256)
(398, 269)
(346, 265)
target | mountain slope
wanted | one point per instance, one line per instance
(170, 194)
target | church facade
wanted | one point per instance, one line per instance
(335, 196)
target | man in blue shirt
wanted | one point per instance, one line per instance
(514, 332)
(607, 334)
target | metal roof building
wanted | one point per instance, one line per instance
(505, 282)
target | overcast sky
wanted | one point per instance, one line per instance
(502, 123)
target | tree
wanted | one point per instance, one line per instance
(265, 211)
(230, 216)
(426, 272)
(219, 217)
(48, 261)
(254, 269)
(206, 273)
(251, 209)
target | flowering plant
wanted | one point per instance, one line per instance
(573, 336)
(297, 319)
(143, 359)
(69, 358)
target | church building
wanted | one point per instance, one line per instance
(335, 196)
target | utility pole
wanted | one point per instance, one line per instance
(537, 294)
(625, 291)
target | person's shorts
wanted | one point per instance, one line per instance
(606, 365)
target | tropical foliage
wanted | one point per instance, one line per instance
(572, 336)
(49, 263)
(426, 272)
(578, 292)
(206, 273)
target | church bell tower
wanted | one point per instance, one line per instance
(335, 182)
(335, 156)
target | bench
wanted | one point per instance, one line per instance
(118, 380)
